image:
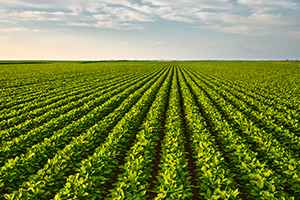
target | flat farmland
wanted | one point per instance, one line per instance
(150, 130)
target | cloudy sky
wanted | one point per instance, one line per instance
(149, 29)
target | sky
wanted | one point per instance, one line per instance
(149, 29)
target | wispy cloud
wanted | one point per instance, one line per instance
(14, 29)
(101, 16)
(22, 29)
(254, 24)
(257, 19)
(67, 38)
(203, 4)
(261, 17)
(270, 4)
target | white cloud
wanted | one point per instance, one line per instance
(100, 15)
(243, 17)
(213, 4)
(22, 29)
(67, 38)
(15, 16)
(109, 25)
(256, 23)
(181, 15)
(268, 3)
(125, 14)
(176, 18)
(14, 29)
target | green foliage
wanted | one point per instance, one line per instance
(67, 128)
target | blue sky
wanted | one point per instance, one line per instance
(150, 29)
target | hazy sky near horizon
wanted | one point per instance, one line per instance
(150, 29)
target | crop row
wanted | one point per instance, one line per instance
(169, 130)
(40, 116)
(274, 83)
(96, 172)
(214, 178)
(282, 115)
(53, 150)
(86, 108)
(14, 106)
(46, 108)
(133, 182)
(257, 178)
(53, 86)
(280, 159)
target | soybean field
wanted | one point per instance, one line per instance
(132, 130)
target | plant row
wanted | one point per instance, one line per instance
(133, 182)
(173, 178)
(21, 168)
(48, 97)
(286, 117)
(74, 111)
(214, 178)
(94, 173)
(256, 178)
(57, 109)
(279, 158)
(36, 108)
